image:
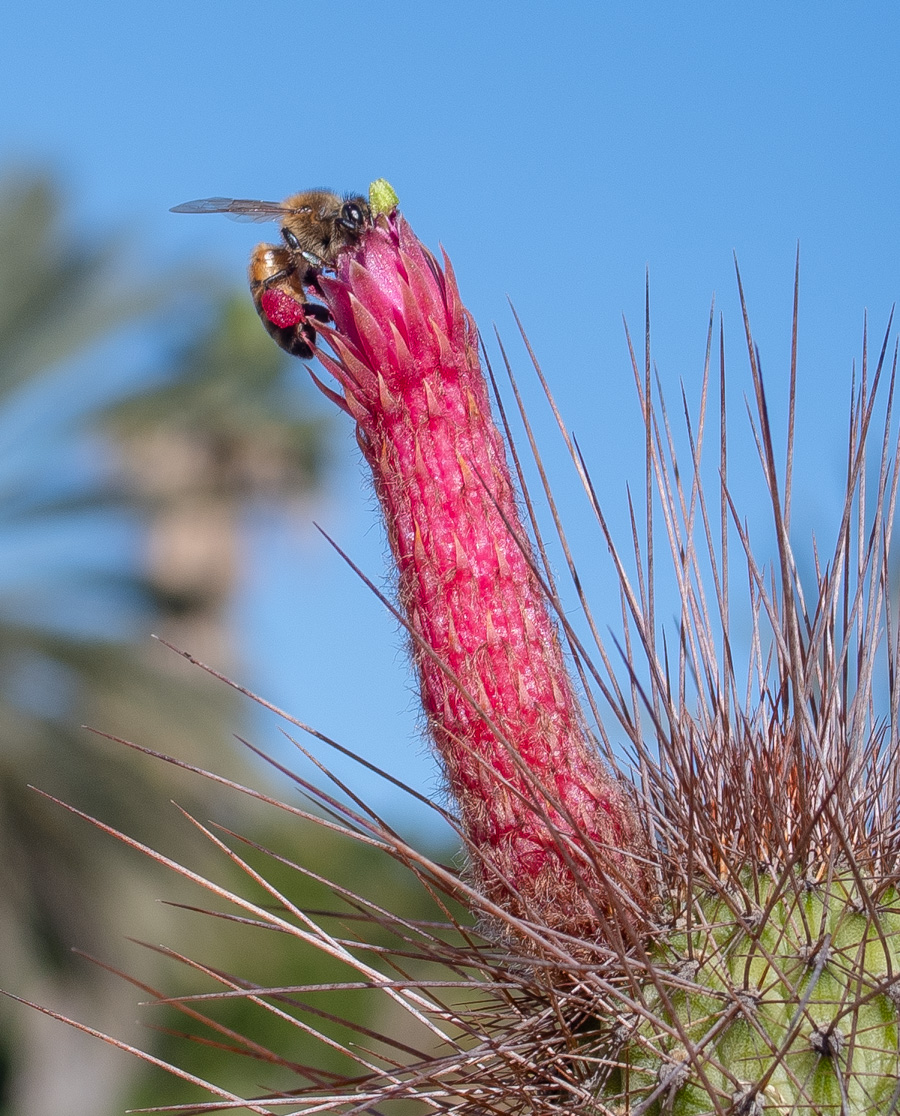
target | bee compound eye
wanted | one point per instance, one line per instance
(290, 240)
(351, 215)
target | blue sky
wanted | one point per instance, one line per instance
(556, 152)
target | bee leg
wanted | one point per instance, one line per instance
(271, 280)
(303, 343)
(298, 340)
(317, 311)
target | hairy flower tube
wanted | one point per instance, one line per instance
(551, 831)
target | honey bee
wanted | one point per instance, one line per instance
(316, 226)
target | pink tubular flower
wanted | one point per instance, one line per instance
(550, 829)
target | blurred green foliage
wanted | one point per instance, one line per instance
(220, 425)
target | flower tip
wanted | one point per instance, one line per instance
(382, 197)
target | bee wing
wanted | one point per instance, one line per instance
(241, 209)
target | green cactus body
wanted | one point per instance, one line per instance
(787, 1006)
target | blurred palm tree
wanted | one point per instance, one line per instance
(226, 430)
(223, 430)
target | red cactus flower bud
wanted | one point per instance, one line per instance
(550, 827)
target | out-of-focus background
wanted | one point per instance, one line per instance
(162, 466)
